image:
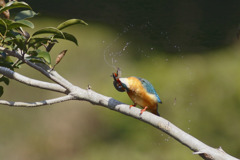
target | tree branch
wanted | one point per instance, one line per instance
(44, 69)
(31, 82)
(76, 93)
(199, 148)
(37, 104)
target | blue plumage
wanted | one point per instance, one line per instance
(140, 91)
(149, 87)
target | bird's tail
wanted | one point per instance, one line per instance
(155, 112)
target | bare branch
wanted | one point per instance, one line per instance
(31, 82)
(76, 93)
(37, 104)
(199, 148)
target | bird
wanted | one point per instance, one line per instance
(140, 91)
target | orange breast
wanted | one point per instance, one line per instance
(140, 96)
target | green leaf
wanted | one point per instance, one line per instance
(11, 35)
(20, 23)
(5, 80)
(56, 34)
(35, 60)
(14, 4)
(3, 23)
(1, 91)
(45, 55)
(49, 30)
(70, 22)
(20, 41)
(67, 36)
(9, 60)
(24, 15)
(37, 42)
(41, 57)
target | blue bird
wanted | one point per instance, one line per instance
(140, 91)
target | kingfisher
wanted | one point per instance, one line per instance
(140, 91)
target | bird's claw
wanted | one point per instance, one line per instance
(143, 110)
(133, 105)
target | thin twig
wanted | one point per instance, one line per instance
(37, 104)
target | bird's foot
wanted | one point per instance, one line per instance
(133, 105)
(143, 110)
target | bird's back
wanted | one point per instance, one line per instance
(149, 87)
(141, 95)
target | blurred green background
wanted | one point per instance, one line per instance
(187, 49)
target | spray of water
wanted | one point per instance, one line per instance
(113, 55)
(110, 56)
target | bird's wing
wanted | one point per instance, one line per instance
(149, 87)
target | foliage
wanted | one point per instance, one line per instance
(36, 47)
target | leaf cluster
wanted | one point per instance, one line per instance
(36, 47)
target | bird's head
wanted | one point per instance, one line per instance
(125, 83)
(117, 83)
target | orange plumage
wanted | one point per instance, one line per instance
(139, 95)
(140, 91)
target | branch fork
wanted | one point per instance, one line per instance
(72, 92)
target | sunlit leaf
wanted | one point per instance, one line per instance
(57, 34)
(14, 4)
(49, 30)
(70, 22)
(25, 14)
(45, 55)
(20, 23)
(40, 56)
(5, 80)
(9, 60)
(67, 36)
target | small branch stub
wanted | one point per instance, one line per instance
(89, 87)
